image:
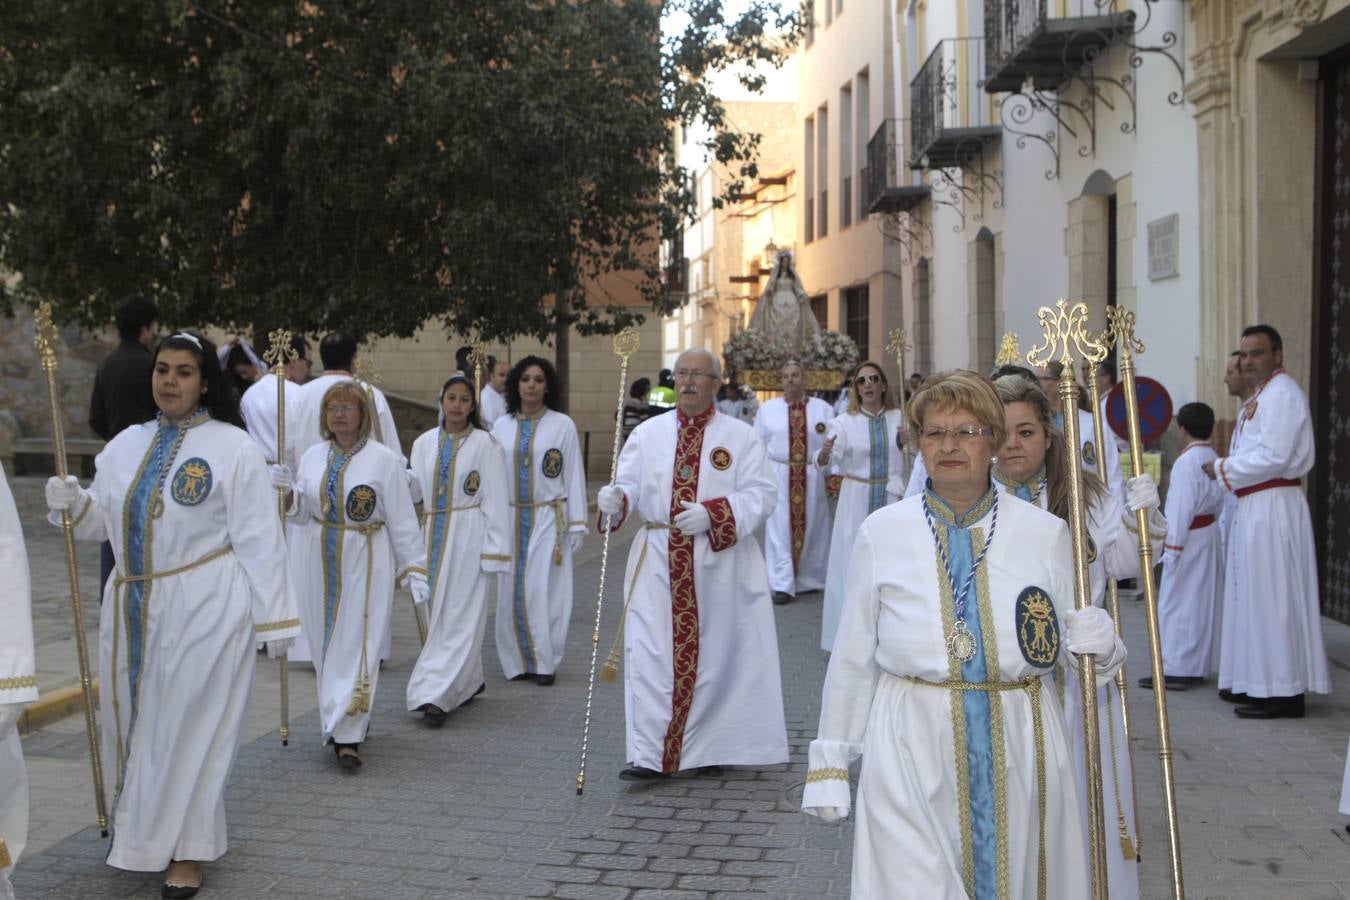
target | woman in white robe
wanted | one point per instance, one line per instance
(459, 475)
(547, 479)
(860, 446)
(201, 574)
(1031, 467)
(360, 541)
(957, 604)
(18, 686)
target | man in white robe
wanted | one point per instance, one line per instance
(492, 403)
(701, 679)
(337, 352)
(1237, 387)
(797, 535)
(1272, 652)
(1190, 600)
(18, 686)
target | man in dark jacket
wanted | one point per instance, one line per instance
(122, 395)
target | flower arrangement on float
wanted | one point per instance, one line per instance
(756, 357)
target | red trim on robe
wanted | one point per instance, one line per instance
(797, 479)
(683, 600)
(723, 531)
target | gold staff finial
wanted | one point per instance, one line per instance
(478, 356)
(1120, 332)
(46, 336)
(898, 344)
(279, 353)
(365, 371)
(279, 350)
(1066, 333)
(1009, 352)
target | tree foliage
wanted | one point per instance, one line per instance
(368, 166)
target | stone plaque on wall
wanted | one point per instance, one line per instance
(1163, 248)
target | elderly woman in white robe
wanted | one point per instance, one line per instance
(361, 539)
(459, 475)
(201, 574)
(1031, 466)
(958, 605)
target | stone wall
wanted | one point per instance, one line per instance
(23, 388)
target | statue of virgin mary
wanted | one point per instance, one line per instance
(784, 311)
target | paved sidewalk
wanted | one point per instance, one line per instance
(487, 807)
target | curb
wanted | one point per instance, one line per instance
(54, 706)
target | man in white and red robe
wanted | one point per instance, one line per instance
(1272, 651)
(700, 653)
(797, 535)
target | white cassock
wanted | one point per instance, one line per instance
(491, 406)
(18, 683)
(1190, 601)
(1272, 625)
(701, 679)
(360, 539)
(951, 776)
(547, 480)
(309, 433)
(201, 576)
(463, 486)
(1113, 552)
(865, 455)
(797, 535)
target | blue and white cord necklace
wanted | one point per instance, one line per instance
(961, 643)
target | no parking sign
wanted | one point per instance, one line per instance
(1155, 409)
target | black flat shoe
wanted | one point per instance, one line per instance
(481, 688)
(523, 676)
(709, 771)
(781, 598)
(350, 761)
(1170, 682)
(1272, 708)
(178, 891)
(1228, 696)
(638, 773)
(434, 715)
(544, 680)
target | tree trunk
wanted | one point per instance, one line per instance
(562, 341)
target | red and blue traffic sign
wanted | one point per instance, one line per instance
(1155, 409)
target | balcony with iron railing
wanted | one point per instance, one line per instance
(883, 191)
(950, 116)
(1047, 41)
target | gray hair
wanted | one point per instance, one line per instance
(713, 362)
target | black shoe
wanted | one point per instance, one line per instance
(1228, 696)
(434, 715)
(349, 761)
(781, 597)
(1170, 682)
(638, 773)
(523, 676)
(1272, 708)
(709, 771)
(481, 688)
(178, 891)
(543, 680)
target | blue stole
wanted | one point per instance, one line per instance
(444, 491)
(880, 450)
(332, 537)
(524, 525)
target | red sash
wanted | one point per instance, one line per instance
(1201, 522)
(1267, 485)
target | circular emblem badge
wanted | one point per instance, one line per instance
(686, 472)
(553, 463)
(720, 458)
(192, 482)
(361, 503)
(1089, 453)
(1037, 627)
(1091, 550)
(820, 428)
(472, 482)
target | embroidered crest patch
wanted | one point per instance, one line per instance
(1037, 627)
(1089, 453)
(553, 463)
(720, 458)
(472, 482)
(361, 503)
(1091, 550)
(192, 482)
(820, 428)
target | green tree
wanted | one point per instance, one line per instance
(361, 166)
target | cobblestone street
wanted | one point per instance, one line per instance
(487, 807)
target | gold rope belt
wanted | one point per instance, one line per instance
(1032, 685)
(428, 513)
(610, 670)
(361, 692)
(559, 523)
(151, 576)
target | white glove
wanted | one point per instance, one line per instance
(417, 585)
(9, 717)
(695, 518)
(282, 477)
(1141, 493)
(414, 486)
(279, 648)
(62, 493)
(610, 500)
(1089, 631)
(574, 541)
(827, 813)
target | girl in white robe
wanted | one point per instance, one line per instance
(460, 477)
(860, 446)
(360, 541)
(201, 574)
(547, 479)
(1034, 445)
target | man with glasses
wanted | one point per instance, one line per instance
(797, 536)
(697, 612)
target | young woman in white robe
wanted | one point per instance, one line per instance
(959, 604)
(860, 446)
(201, 575)
(459, 476)
(547, 480)
(1031, 467)
(18, 685)
(360, 541)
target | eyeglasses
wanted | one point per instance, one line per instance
(345, 409)
(870, 378)
(963, 433)
(689, 375)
